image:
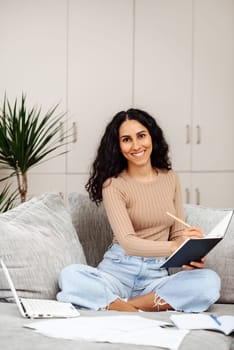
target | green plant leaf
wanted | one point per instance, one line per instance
(7, 198)
(28, 137)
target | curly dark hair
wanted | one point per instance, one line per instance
(109, 160)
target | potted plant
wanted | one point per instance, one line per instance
(26, 139)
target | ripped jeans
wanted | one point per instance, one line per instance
(122, 276)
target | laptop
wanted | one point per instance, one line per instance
(39, 308)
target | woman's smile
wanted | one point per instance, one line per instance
(135, 143)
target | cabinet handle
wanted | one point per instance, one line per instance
(197, 196)
(198, 134)
(187, 134)
(61, 127)
(187, 195)
(74, 133)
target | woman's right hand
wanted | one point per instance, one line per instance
(192, 232)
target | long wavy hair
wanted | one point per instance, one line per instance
(110, 162)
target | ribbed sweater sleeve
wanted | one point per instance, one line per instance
(137, 213)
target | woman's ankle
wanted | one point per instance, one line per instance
(121, 305)
(150, 302)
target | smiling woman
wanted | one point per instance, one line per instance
(132, 175)
(136, 146)
(111, 161)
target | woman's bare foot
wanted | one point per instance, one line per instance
(121, 305)
(150, 302)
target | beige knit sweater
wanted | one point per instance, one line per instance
(137, 213)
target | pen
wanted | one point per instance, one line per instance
(177, 219)
(215, 319)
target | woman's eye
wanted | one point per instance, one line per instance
(141, 136)
(125, 139)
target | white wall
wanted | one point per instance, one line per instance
(173, 58)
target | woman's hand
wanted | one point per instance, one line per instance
(195, 265)
(192, 233)
(189, 232)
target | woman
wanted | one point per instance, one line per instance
(132, 175)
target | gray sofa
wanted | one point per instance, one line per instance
(40, 237)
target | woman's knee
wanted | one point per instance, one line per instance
(211, 279)
(203, 286)
(201, 283)
(70, 274)
(209, 285)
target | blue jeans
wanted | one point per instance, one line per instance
(122, 276)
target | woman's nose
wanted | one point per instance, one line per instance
(135, 144)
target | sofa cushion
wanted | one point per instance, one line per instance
(37, 241)
(92, 226)
(15, 336)
(221, 258)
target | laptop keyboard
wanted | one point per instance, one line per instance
(48, 308)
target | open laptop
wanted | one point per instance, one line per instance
(39, 308)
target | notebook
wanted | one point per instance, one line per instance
(195, 249)
(39, 308)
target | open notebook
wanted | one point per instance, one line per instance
(195, 249)
(39, 308)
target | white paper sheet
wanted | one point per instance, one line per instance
(204, 321)
(113, 329)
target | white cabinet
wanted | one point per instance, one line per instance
(163, 75)
(76, 183)
(100, 55)
(40, 183)
(212, 121)
(171, 58)
(185, 183)
(184, 76)
(213, 85)
(33, 57)
(214, 189)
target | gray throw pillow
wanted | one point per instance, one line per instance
(92, 226)
(37, 239)
(221, 258)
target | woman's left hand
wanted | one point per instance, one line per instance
(195, 265)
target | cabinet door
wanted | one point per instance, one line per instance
(163, 70)
(100, 50)
(213, 88)
(38, 184)
(185, 184)
(33, 57)
(213, 189)
(41, 183)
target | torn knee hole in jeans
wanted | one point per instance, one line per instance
(158, 301)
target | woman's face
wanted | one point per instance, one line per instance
(135, 143)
